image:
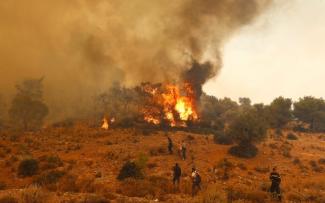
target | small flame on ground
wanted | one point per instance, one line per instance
(152, 120)
(105, 124)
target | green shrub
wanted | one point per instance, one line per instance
(130, 170)
(28, 167)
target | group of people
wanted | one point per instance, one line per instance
(196, 178)
(177, 171)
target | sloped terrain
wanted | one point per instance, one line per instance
(81, 164)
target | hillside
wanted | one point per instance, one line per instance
(81, 164)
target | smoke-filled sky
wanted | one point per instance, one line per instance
(81, 47)
(282, 53)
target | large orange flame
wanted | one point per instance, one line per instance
(177, 104)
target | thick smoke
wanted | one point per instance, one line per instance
(81, 47)
(197, 75)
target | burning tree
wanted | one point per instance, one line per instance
(27, 109)
(168, 104)
(161, 104)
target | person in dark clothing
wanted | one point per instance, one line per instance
(183, 150)
(275, 186)
(177, 172)
(170, 145)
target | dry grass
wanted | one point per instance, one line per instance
(91, 170)
(34, 194)
(212, 194)
(152, 187)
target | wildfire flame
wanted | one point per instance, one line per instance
(177, 105)
(105, 124)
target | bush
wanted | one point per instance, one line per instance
(221, 138)
(28, 167)
(244, 151)
(292, 136)
(130, 170)
(246, 130)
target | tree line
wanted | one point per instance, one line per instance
(28, 110)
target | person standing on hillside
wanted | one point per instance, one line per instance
(170, 145)
(275, 186)
(196, 181)
(183, 150)
(177, 172)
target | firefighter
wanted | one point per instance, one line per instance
(275, 186)
(177, 172)
(170, 145)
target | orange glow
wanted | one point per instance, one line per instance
(177, 105)
(105, 124)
